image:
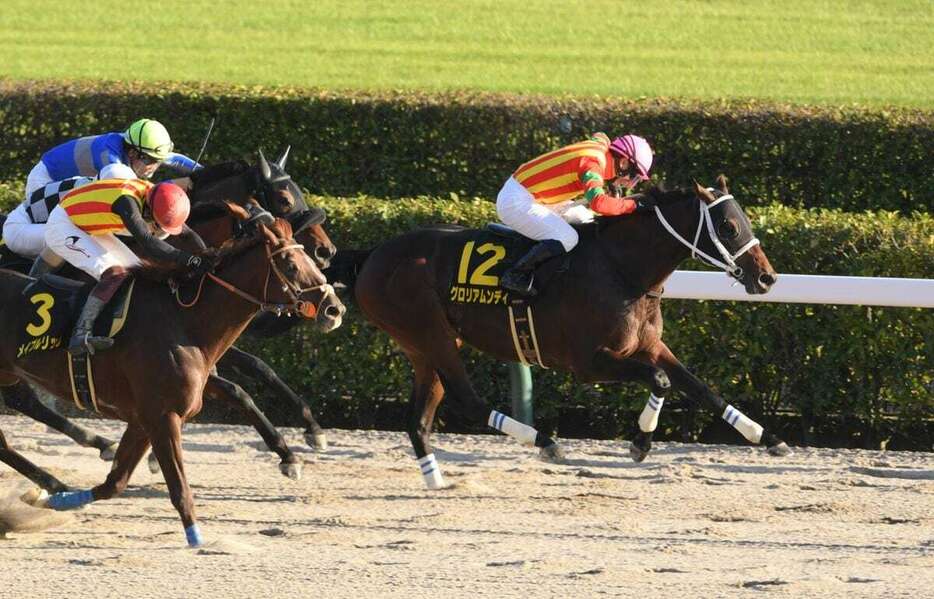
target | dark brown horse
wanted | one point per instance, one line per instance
(154, 376)
(242, 184)
(598, 317)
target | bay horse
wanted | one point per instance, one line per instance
(154, 376)
(267, 184)
(599, 316)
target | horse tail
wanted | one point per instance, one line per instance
(345, 266)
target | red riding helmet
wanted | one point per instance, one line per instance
(170, 207)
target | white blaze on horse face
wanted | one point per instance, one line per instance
(431, 472)
(648, 419)
(745, 425)
(523, 433)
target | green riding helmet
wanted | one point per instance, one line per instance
(149, 137)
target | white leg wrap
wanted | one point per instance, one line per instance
(747, 427)
(523, 433)
(648, 419)
(431, 472)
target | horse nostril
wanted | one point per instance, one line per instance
(767, 279)
(332, 311)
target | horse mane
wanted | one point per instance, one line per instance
(660, 194)
(207, 176)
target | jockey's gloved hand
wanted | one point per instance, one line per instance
(198, 266)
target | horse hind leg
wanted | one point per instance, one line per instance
(427, 393)
(465, 400)
(16, 461)
(23, 399)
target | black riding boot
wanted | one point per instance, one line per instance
(81, 340)
(520, 276)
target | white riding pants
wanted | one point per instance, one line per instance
(518, 209)
(22, 235)
(93, 254)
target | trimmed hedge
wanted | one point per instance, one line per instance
(842, 370)
(466, 144)
(825, 363)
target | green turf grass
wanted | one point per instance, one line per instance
(809, 51)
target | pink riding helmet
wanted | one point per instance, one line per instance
(637, 150)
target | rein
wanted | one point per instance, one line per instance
(298, 306)
(728, 264)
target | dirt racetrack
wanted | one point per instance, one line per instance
(692, 521)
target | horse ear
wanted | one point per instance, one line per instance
(237, 211)
(284, 157)
(721, 183)
(270, 233)
(264, 166)
(702, 192)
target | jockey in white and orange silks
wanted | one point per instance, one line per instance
(538, 199)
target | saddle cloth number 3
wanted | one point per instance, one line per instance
(479, 276)
(44, 302)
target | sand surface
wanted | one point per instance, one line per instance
(692, 521)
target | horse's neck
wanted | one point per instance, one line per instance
(220, 316)
(233, 188)
(644, 252)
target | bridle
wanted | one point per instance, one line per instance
(293, 292)
(728, 264)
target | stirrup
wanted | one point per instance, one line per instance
(507, 281)
(88, 345)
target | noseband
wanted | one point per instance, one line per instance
(728, 264)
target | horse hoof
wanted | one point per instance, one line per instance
(780, 450)
(35, 497)
(109, 453)
(153, 464)
(317, 441)
(637, 453)
(291, 470)
(551, 453)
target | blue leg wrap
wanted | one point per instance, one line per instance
(69, 500)
(193, 534)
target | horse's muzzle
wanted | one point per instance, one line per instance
(765, 281)
(330, 312)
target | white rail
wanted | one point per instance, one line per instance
(806, 289)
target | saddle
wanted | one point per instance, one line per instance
(50, 307)
(484, 256)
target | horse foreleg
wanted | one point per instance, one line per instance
(166, 441)
(427, 393)
(254, 367)
(14, 460)
(132, 446)
(221, 388)
(23, 399)
(609, 366)
(684, 380)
